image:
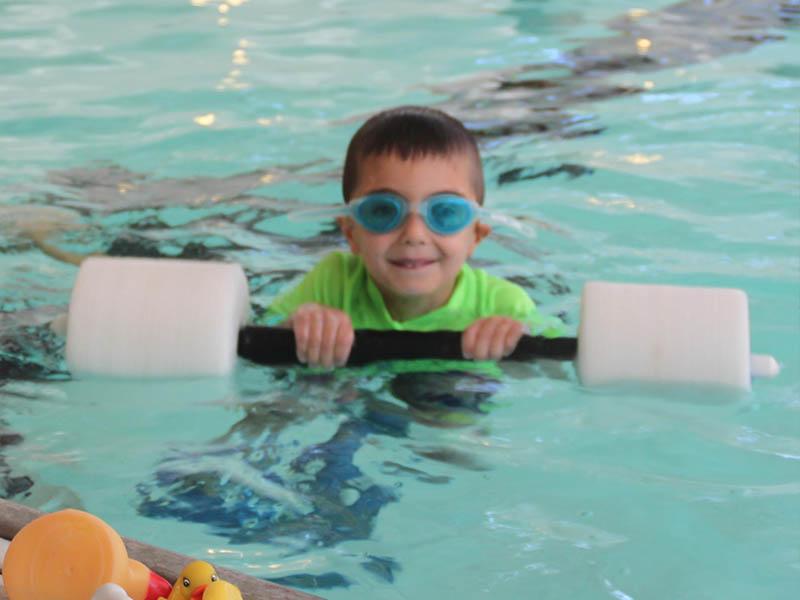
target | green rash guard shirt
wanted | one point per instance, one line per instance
(341, 281)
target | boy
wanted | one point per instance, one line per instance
(413, 184)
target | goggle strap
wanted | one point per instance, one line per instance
(503, 220)
(323, 213)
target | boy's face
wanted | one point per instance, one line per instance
(412, 266)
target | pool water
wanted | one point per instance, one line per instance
(655, 143)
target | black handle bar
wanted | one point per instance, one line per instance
(275, 346)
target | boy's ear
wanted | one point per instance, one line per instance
(481, 231)
(347, 226)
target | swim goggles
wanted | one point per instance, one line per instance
(443, 214)
(382, 212)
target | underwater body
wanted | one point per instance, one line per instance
(253, 486)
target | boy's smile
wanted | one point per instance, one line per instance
(414, 268)
(410, 263)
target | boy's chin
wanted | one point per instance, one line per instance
(413, 285)
(412, 295)
(415, 293)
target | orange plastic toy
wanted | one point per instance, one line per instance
(69, 554)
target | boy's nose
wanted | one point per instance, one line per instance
(414, 229)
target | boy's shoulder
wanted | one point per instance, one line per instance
(487, 286)
(337, 277)
(494, 295)
(338, 266)
(331, 282)
(338, 260)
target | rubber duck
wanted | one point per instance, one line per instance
(191, 584)
(68, 555)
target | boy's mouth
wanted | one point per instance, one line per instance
(411, 263)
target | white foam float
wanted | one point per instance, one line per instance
(666, 333)
(138, 317)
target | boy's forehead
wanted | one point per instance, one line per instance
(457, 157)
(456, 171)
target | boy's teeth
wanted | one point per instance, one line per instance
(411, 263)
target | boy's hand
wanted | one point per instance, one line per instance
(323, 336)
(491, 338)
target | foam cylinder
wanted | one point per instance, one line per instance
(141, 317)
(661, 333)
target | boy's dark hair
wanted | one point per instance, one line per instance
(410, 132)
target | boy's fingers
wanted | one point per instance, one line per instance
(513, 334)
(499, 340)
(300, 322)
(330, 327)
(491, 339)
(344, 342)
(315, 326)
(300, 327)
(468, 340)
(485, 338)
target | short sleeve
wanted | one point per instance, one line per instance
(320, 285)
(510, 300)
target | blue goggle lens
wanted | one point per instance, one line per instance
(448, 214)
(382, 213)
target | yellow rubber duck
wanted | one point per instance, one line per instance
(193, 581)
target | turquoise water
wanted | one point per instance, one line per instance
(190, 128)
